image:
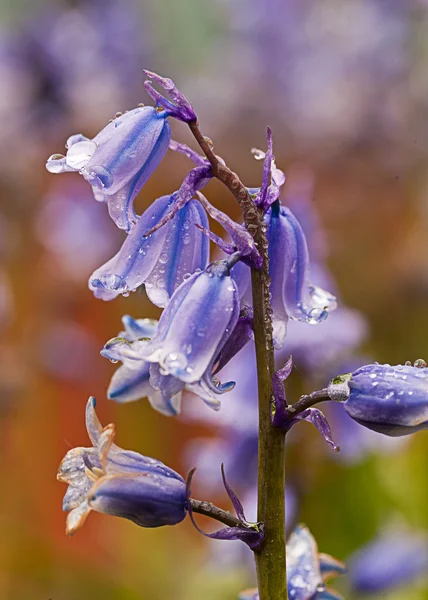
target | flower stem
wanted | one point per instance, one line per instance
(214, 512)
(271, 558)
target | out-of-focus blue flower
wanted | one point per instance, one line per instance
(65, 227)
(293, 296)
(307, 570)
(118, 482)
(161, 260)
(392, 400)
(395, 558)
(131, 381)
(119, 160)
(194, 328)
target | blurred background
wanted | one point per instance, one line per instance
(344, 85)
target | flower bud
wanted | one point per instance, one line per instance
(392, 400)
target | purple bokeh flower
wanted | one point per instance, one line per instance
(395, 558)
(118, 482)
(161, 260)
(119, 160)
(392, 400)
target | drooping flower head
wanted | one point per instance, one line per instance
(160, 260)
(118, 482)
(194, 328)
(198, 333)
(119, 160)
(389, 399)
(307, 570)
(293, 295)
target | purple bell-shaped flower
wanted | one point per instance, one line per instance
(119, 160)
(118, 482)
(160, 260)
(388, 399)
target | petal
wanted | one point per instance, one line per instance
(196, 324)
(185, 251)
(331, 567)
(77, 517)
(72, 467)
(134, 262)
(127, 145)
(105, 442)
(93, 426)
(169, 400)
(138, 328)
(149, 500)
(79, 154)
(303, 572)
(130, 383)
(57, 164)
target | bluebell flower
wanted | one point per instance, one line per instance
(118, 482)
(392, 400)
(293, 295)
(194, 328)
(161, 260)
(132, 381)
(138, 378)
(119, 160)
(394, 558)
(307, 570)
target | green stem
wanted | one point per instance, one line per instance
(271, 559)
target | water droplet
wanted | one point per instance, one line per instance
(99, 177)
(420, 363)
(79, 154)
(175, 361)
(258, 154)
(55, 163)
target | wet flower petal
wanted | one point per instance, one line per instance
(108, 479)
(119, 160)
(161, 260)
(196, 324)
(392, 400)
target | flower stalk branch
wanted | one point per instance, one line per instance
(309, 400)
(271, 559)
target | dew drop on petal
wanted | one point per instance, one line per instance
(99, 177)
(175, 361)
(258, 154)
(79, 154)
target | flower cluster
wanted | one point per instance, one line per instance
(211, 315)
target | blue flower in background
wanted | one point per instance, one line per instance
(118, 482)
(119, 160)
(394, 558)
(160, 260)
(392, 400)
(307, 570)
